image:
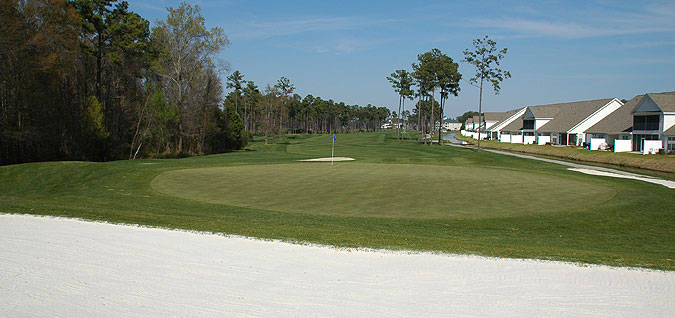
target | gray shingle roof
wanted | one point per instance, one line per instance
(515, 125)
(665, 101)
(670, 131)
(545, 111)
(501, 117)
(570, 114)
(493, 116)
(564, 115)
(620, 121)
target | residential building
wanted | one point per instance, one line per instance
(654, 119)
(468, 124)
(560, 124)
(573, 119)
(616, 126)
(450, 124)
(533, 117)
(500, 121)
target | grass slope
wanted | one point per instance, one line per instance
(662, 165)
(632, 224)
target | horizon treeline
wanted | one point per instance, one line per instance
(90, 80)
(277, 110)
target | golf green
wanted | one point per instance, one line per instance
(383, 190)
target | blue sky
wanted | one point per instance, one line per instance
(558, 51)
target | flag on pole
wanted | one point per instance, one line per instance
(332, 152)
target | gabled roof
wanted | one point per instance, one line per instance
(571, 114)
(505, 117)
(664, 101)
(670, 131)
(545, 111)
(498, 116)
(620, 121)
(539, 111)
(515, 125)
(510, 113)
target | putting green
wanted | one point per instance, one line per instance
(383, 190)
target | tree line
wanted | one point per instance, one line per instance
(276, 110)
(90, 80)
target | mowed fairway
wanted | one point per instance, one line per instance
(382, 190)
(398, 195)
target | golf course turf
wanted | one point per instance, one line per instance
(396, 194)
(380, 190)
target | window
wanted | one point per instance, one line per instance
(649, 122)
(528, 123)
(671, 144)
(572, 139)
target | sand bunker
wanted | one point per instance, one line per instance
(667, 183)
(70, 268)
(330, 159)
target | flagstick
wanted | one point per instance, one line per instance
(332, 152)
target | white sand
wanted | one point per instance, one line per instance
(53, 267)
(667, 183)
(330, 159)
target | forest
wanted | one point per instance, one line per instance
(92, 80)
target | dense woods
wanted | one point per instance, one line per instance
(90, 80)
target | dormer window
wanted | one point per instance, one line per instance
(528, 123)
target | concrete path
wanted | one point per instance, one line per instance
(588, 169)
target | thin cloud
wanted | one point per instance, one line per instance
(566, 30)
(304, 25)
(647, 60)
(343, 46)
(641, 45)
(662, 9)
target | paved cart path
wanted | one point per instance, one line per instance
(55, 267)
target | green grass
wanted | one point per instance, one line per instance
(450, 204)
(380, 190)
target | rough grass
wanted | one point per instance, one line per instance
(661, 164)
(632, 227)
